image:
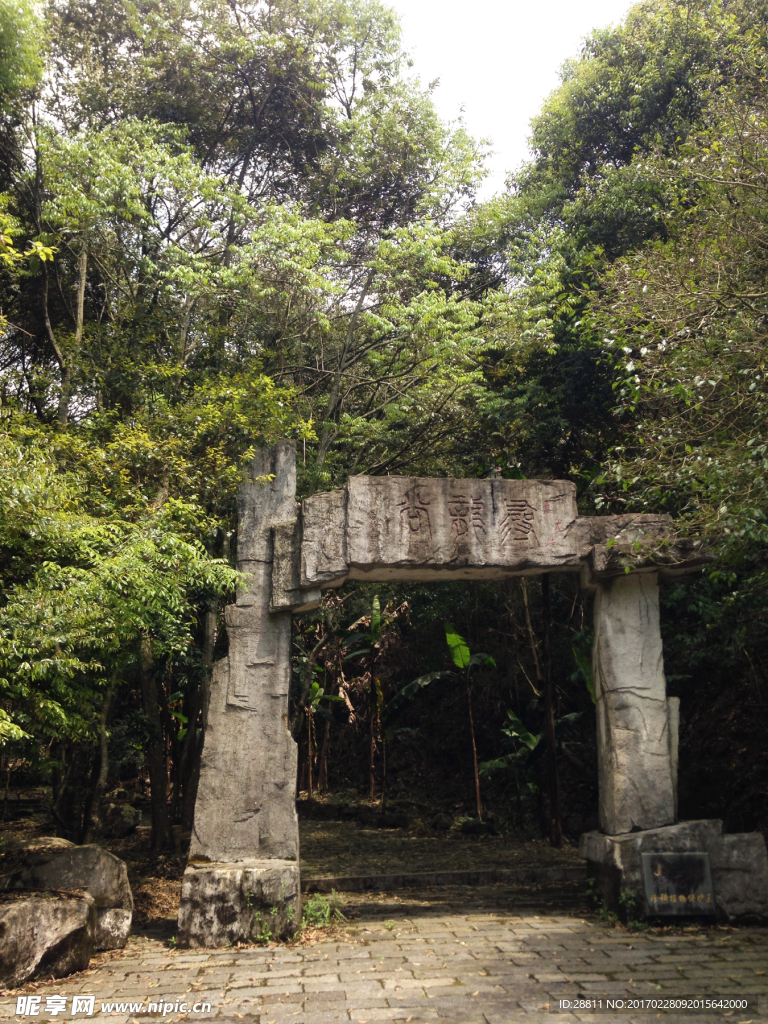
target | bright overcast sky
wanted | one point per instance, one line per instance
(498, 60)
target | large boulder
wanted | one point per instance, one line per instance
(49, 863)
(50, 933)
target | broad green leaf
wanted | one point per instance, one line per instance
(482, 660)
(519, 732)
(375, 620)
(585, 667)
(458, 647)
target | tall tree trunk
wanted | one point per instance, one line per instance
(550, 699)
(322, 775)
(93, 806)
(478, 804)
(62, 414)
(155, 755)
(328, 429)
(372, 758)
(7, 787)
(309, 754)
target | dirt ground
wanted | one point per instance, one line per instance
(346, 848)
(327, 848)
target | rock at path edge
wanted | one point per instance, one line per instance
(49, 933)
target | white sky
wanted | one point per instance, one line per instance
(498, 60)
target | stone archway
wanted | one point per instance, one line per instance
(243, 872)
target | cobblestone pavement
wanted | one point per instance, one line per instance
(459, 955)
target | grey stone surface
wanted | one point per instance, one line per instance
(250, 900)
(739, 864)
(420, 529)
(740, 875)
(673, 721)
(286, 571)
(324, 559)
(245, 805)
(51, 863)
(50, 933)
(611, 545)
(635, 774)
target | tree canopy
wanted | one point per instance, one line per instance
(232, 221)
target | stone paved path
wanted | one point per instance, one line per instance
(457, 955)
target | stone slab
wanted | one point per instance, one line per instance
(245, 804)
(421, 529)
(324, 559)
(738, 864)
(678, 884)
(251, 900)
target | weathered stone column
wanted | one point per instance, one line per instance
(242, 880)
(635, 774)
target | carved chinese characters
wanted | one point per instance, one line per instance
(414, 512)
(436, 528)
(518, 523)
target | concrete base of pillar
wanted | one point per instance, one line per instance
(248, 901)
(739, 866)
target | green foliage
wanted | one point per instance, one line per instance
(319, 911)
(21, 32)
(458, 647)
(403, 696)
(80, 590)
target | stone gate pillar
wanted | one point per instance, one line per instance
(242, 880)
(633, 729)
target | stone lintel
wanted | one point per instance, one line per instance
(739, 865)
(422, 530)
(243, 901)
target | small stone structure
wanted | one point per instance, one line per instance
(243, 874)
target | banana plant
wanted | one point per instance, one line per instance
(465, 662)
(314, 697)
(532, 747)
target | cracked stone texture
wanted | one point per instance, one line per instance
(633, 742)
(421, 529)
(245, 807)
(462, 955)
(739, 864)
(226, 903)
(53, 863)
(45, 932)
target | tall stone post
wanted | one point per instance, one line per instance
(633, 743)
(242, 880)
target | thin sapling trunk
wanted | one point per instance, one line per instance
(553, 779)
(478, 804)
